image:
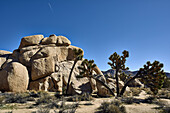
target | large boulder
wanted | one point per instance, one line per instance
(52, 83)
(14, 77)
(48, 61)
(56, 40)
(136, 83)
(2, 52)
(42, 67)
(30, 40)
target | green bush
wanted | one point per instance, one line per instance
(44, 99)
(16, 98)
(112, 107)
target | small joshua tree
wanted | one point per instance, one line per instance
(86, 70)
(118, 63)
(78, 53)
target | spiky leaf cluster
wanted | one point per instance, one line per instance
(87, 68)
(124, 77)
(152, 75)
(118, 62)
(78, 54)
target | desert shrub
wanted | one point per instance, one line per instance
(166, 83)
(112, 107)
(53, 104)
(136, 91)
(165, 110)
(86, 97)
(164, 93)
(127, 93)
(128, 100)
(1, 100)
(164, 106)
(150, 100)
(16, 98)
(83, 97)
(8, 106)
(43, 110)
(44, 99)
(70, 108)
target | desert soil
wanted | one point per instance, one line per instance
(91, 106)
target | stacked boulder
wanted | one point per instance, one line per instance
(44, 64)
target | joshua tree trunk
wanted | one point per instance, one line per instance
(117, 82)
(126, 84)
(70, 76)
(105, 86)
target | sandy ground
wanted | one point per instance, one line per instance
(91, 106)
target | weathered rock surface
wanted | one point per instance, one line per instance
(14, 77)
(50, 83)
(2, 52)
(136, 83)
(48, 61)
(31, 40)
(42, 67)
(56, 40)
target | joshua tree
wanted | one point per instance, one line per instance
(118, 63)
(78, 53)
(151, 75)
(86, 70)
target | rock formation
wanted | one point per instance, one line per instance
(44, 64)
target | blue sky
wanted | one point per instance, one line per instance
(99, 27)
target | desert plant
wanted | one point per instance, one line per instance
(70, 108)
(118, 63)
(164, 106)
(1, 100)
(164, 93)
(45, 98)
(78, 56)
(16, 98)
(86, 70)
(82, 97)
(150, 100)
(128, 100)
(112, 107)
(43, 110)
(166, 83)
(151, 75)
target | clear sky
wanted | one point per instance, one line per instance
(99, 27)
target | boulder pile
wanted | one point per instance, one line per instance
(44, 64)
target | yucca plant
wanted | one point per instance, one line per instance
(86, 70)
(78, 55)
